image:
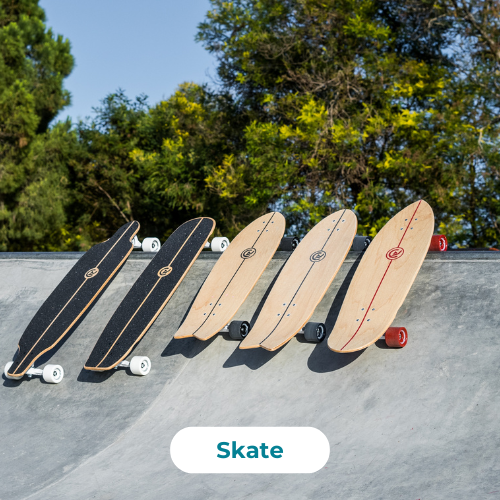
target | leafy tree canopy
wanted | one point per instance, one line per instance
(33, 169)
(320, 104)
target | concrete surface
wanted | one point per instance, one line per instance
(417, 423)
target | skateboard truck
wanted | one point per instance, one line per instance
(395, 336)
(52, 374)
(313, 332)
(139, 365)
(218, 244)
(147, 245)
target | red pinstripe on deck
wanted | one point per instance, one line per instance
(383, 277)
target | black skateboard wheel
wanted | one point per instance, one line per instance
(238, 330)
(315, 332)
(360, 243)
(396, 336)
(289, 244)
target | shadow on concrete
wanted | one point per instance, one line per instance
(380, 343)
(7, 382)
(322, 359)
(252, 358)
(94, 377)
(188, 347)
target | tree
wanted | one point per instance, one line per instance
(33, 176)
(151, 164)
(361, 104)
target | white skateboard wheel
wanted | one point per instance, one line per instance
(6, 371)
(53, 374)
(219, 244)
(315, 332)
(151, 245)
(140, 365)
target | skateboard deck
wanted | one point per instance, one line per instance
(303, 281)
(150, 294)
(383, 279)
(233, 277)
(72, 297)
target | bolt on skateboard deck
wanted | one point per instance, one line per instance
(302, 283)
(70, 299)
(148, 296)
(233, 278)
(383, 279)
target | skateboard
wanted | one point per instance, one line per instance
(147, 298)
(302, 283)
(66, 304)
(232, 279)
(383, 279)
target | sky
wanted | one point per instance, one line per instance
(144, 47)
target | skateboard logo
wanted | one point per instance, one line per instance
(317, 256)
(164, 271)
(395, 253)
(248, 253)
(91, 273)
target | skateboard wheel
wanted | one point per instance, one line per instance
(315, 332)
(6, 371)
(238, 330)
(219, 244)
(360, 243)
(289, 244)
(53, 374)
(439, 243)
(140, 365)
(151, 245)
(396, 336)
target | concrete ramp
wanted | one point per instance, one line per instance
(418, 423)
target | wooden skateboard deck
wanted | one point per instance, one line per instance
(72, 297)
(383, 279)
(150, 294)
(233, 277)
(303, 281)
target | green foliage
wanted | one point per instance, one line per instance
(33, 169)
(362, 104)
(322, 104)
(151, 164)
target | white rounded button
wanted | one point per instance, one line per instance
(250, 450)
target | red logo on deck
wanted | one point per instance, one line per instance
(395, 253)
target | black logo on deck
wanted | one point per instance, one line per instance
(317, 256)
(248, 253)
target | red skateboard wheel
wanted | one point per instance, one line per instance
(439, 243)
(396, 336)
